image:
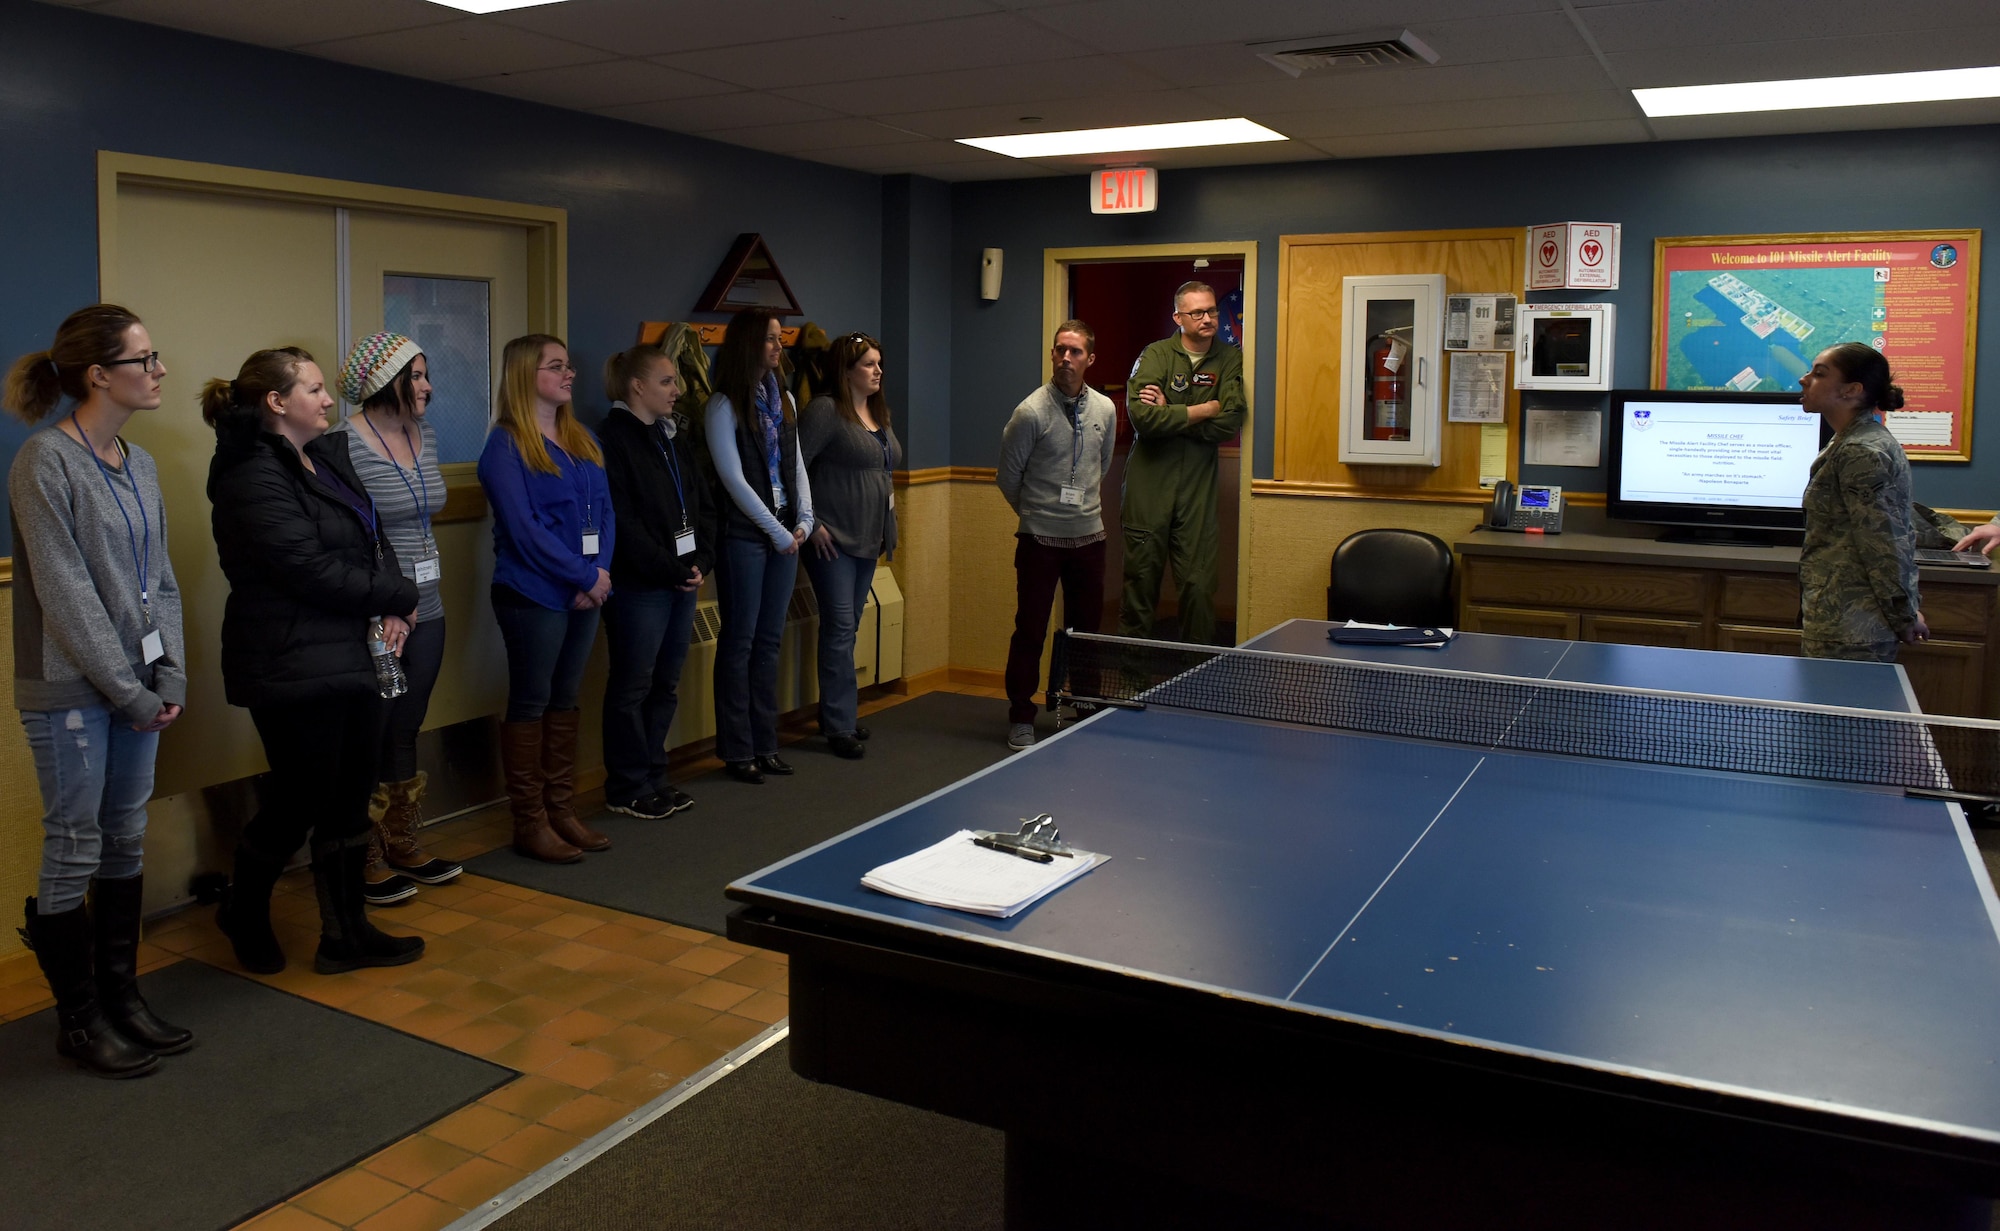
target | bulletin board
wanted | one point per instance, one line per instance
(1749, 313)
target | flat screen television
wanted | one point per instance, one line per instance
(1712, 466)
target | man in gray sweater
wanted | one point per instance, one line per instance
(1054, 454)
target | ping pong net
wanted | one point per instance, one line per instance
(1927, 754)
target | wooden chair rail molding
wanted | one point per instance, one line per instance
(945, 474)
(1306, 408)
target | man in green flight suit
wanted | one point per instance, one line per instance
(1185, 398)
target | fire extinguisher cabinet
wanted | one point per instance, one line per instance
(1392, 369)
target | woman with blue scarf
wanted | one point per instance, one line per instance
(753, 439)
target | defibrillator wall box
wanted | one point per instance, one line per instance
(1392, 369)
(1564, 346)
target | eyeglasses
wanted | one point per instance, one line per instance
(564, 368)
(1202, 314)
(151, 362)
(862, 338)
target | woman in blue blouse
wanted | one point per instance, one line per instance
(552, 536)
(753, 438)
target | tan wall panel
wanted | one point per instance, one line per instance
(472, 683)
(20, 807)
(1307, 425)
(1292, 540)
(215, 278)
(923, 569)
(982, 576)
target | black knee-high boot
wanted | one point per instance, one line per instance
(115, 907)
(245, 913)
(62, 947)
(347, 940)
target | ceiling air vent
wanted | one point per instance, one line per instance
(1343, 52)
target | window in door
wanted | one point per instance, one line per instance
(451, 319)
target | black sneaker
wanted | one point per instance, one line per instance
(388, 892)
(676, 798)
(648, 807)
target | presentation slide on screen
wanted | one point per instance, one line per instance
(1690, 453)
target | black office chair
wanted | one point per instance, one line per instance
(1390, 577)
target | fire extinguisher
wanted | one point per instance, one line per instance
(1388, 412)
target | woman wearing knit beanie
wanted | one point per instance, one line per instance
(395, 454)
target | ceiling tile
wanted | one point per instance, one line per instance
(745, 109)
(907, 153)
(590, 87)
(815, 135)
(1831, 119)
(1442, 83)
(1697, 23)
(457, 51)
(1146, 25)
(937, 46)
(1442, 116)
(1004, 87)
(1821, 57)
(650, 28)
(1156, 107)
(1511, 137)
(282, 23)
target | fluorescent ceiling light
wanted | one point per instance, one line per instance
(1872, 90)
(492, 6)
(1136, 137)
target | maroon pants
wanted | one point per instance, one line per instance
(1037, 571)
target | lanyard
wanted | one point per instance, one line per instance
(577, 483)
(673, 469)
(1075, 410)
(142, 557)
(423, 501)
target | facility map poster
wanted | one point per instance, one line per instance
(1749, 312)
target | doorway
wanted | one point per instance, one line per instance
(1126, 296)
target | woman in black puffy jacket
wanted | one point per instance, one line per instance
(310, 572)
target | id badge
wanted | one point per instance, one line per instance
(590, 542)
(1071, 496)
(152, 648)
(684, 543)
(429, 569)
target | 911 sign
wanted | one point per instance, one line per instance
(1125, 190)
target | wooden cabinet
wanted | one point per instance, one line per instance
(1636, 592)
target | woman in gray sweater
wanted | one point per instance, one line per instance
(851, 454)
(99, 671)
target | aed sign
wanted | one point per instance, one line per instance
(1125, 190)
(1580, 256)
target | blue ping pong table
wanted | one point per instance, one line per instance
(1338, 979)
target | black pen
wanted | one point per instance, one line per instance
(993, 844)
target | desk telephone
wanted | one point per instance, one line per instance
(1527, 508)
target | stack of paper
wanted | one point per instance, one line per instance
(957, 875)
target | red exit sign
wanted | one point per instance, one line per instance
(1125, 190)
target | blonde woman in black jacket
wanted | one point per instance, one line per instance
(310, 571)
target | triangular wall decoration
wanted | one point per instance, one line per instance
(748, 278)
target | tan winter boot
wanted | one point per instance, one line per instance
(380, 884)
(398, 828)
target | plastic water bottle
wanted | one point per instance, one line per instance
(390, 682)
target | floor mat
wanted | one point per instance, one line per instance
(765, 1148)
(278, 1094)
(676, 869)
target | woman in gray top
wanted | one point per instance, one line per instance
(395, 455)
(851, 454)
(99, 671)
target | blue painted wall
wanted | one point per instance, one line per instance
(916, 316)
(1870, 181)
(651, 213)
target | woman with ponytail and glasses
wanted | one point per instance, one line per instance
(553, 536)
(394, 454)
(851, 455)
(1858, 564)
(313, 581)
(767, 512)
(99, 671)
(666, 547)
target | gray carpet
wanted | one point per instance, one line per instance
(764, 1149)
(278, 1094)
(676, 869)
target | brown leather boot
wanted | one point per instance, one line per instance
(559, 780)
(398, 830)
(521, 760)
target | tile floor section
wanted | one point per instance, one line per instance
(599, 1010)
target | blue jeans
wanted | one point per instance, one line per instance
(842, 585)
(96, 775)
(754, 582)
(546, 654)
(648, 631)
